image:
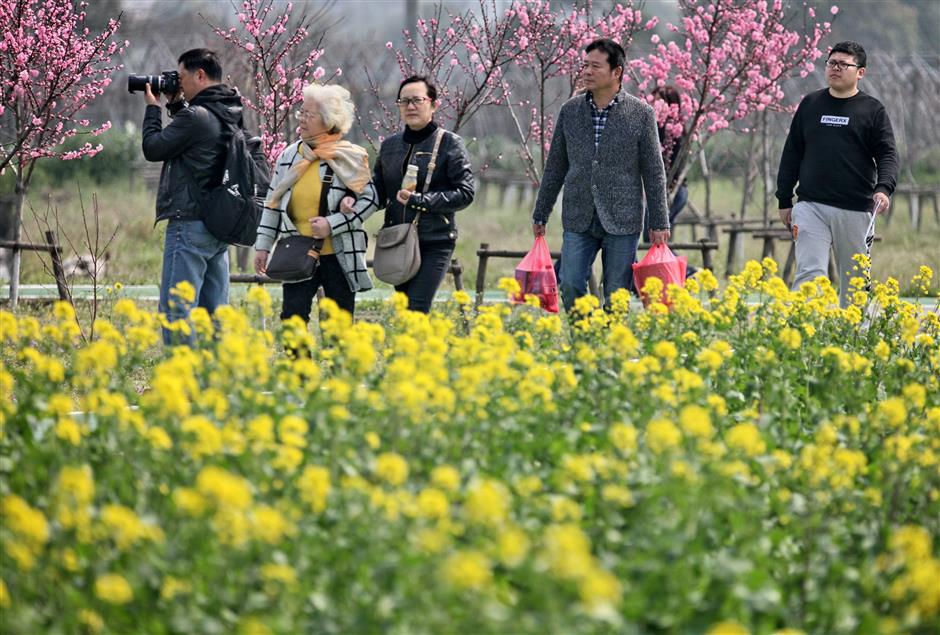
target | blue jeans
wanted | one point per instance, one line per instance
(578, 251)
(192, 254)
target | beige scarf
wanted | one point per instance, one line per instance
(349, 162)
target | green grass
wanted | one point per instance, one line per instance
(136, 253)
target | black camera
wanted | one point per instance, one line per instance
(167, 82)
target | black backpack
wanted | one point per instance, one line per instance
(232, 210)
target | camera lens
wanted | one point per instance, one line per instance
(138, 83)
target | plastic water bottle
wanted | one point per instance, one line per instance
(410, 182)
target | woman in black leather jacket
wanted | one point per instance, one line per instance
(451, 188)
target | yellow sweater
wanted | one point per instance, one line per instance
(304, 204)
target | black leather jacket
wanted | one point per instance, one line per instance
(192, 148)
(451, 189)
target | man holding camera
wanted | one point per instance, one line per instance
(192, 149)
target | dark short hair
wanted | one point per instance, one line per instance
(616, 56)
(416, 79)
(668, 94)
(205, 59)
(851, 48)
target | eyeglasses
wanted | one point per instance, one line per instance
(836, 65)
(303, 115)
(411, 101)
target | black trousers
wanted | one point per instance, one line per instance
(298, 296)
(435, 260)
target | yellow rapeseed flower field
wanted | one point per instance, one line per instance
(718, 465)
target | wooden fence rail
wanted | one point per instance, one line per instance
(55, 252)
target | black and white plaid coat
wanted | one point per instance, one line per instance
(349, 239)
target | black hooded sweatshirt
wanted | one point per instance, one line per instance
(192, 148)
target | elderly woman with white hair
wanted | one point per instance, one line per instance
(316, 179)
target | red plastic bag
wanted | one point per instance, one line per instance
(536, 276)
(659, 262)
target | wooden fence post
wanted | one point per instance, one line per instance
(55, 252)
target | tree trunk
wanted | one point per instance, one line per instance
(17, 233)
(765, 168)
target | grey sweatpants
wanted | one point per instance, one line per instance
(820, 227)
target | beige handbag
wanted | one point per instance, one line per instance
(397, 255)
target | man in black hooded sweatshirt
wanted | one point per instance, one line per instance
(192, 149)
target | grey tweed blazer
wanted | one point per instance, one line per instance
(612, 179)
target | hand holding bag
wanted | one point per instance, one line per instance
(397, 255)
(536, 276)
(297, 257)
(659, 262)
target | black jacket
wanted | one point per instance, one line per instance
(192, 148)
(451, 189)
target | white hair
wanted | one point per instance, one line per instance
(335, 103)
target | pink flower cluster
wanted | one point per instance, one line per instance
(269, 43)
(728, 59)
(51, 68)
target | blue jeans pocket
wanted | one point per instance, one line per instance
(196, 235)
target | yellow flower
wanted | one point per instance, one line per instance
(314, 484)
(467, 570)
(623, 437)
(68, 430)
(662, 435)
(568, 551)
(446, 477)
(488, 502)
(461, 297)
(292, 430)
(727, 628)
(510, 286)
(617, 494)
(25, 521)
(915, 394)
(259, 297)
(282, 573)
(600, 588)
(433, 503)
(126, 528)
(206, 438)
(185, 291)
(431, 540)
(512, 546)
(224, 488)
(270, 525)
(892, 411)
(913, 542)
(189, 501)
(392, 468)
(695, 421)
(4, 595)
(665, 350)
(251, 625)
(172, 587)
(708, 358)
(113, 589)
(746, 438)
(159, 439)
(90, 620)
(790, 338)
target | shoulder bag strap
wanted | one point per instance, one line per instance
(433, 162)
(324, 211)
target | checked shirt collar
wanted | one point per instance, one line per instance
(599, 117)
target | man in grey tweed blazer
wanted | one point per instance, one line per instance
(605, 152)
